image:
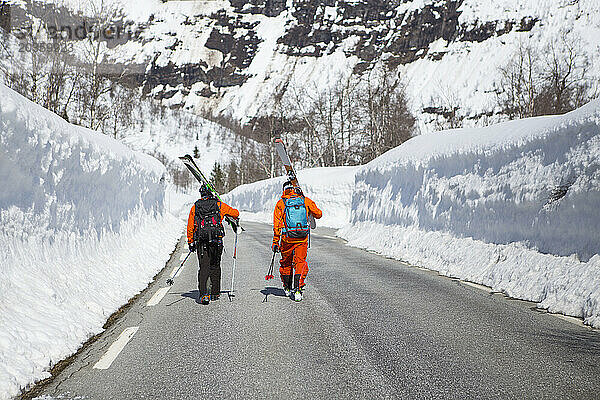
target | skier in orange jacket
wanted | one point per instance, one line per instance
(291, 238)
(205, 233)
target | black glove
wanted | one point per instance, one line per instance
(235, 224)
(192, 246)
(275, 248)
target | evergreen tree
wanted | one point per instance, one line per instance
(218, 178)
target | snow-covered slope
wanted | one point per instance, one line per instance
(83, 227)
(513, 206)
(330, 188)
(176, 133)
(241, 57)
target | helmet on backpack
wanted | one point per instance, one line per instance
(287, 185)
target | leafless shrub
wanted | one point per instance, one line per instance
(553, 82)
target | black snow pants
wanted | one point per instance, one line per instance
(209, 263)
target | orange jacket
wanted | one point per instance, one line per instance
(279, 215)
(223, 208)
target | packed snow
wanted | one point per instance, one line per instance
(83, 228)
(513, 206)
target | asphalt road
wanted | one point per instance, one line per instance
(369, 327)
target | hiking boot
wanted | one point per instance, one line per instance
(288, 291)
(205, 300)
(298, 295)
(214, 297)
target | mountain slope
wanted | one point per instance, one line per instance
(240, 58)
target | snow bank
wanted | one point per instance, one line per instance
(514, 206)
(83, 228)
(330, 188)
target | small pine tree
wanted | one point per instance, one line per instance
(218, 178)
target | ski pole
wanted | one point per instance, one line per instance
(170, 280)
(269, 276)
(233, 271)
(270, 273)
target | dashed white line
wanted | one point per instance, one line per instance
(160, 293)
(116, 348)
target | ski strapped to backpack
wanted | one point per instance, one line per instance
(189, 162)
(296, 223)
(207, 219)
(287, 164)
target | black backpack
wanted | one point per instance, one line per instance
(207, 220)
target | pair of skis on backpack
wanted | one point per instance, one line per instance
(287, 164)
(189, 162)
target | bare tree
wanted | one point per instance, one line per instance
(446, 105)
(518, 82)
(389, 120)
(100, 77)
(556, 82)
(565, 77)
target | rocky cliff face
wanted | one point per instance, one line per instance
(314, 28)
(239, 56)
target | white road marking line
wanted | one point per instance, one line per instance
(172, 274)
(116, 348)
(477, 286)
(160, 293)
(573, 320)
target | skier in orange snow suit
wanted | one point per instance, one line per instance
(205, 234)
(291, 229)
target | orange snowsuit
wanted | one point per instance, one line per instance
(293, 251)
(224, 209)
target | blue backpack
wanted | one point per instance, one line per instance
(296, 218)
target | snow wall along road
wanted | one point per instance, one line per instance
(514, 206)
(82, 229)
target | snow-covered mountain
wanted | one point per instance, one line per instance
(241, 57)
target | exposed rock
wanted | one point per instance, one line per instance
(270, 8)
(367, 29)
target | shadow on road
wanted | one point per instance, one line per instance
(274, 291)
(585, 343)
(193, 294)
